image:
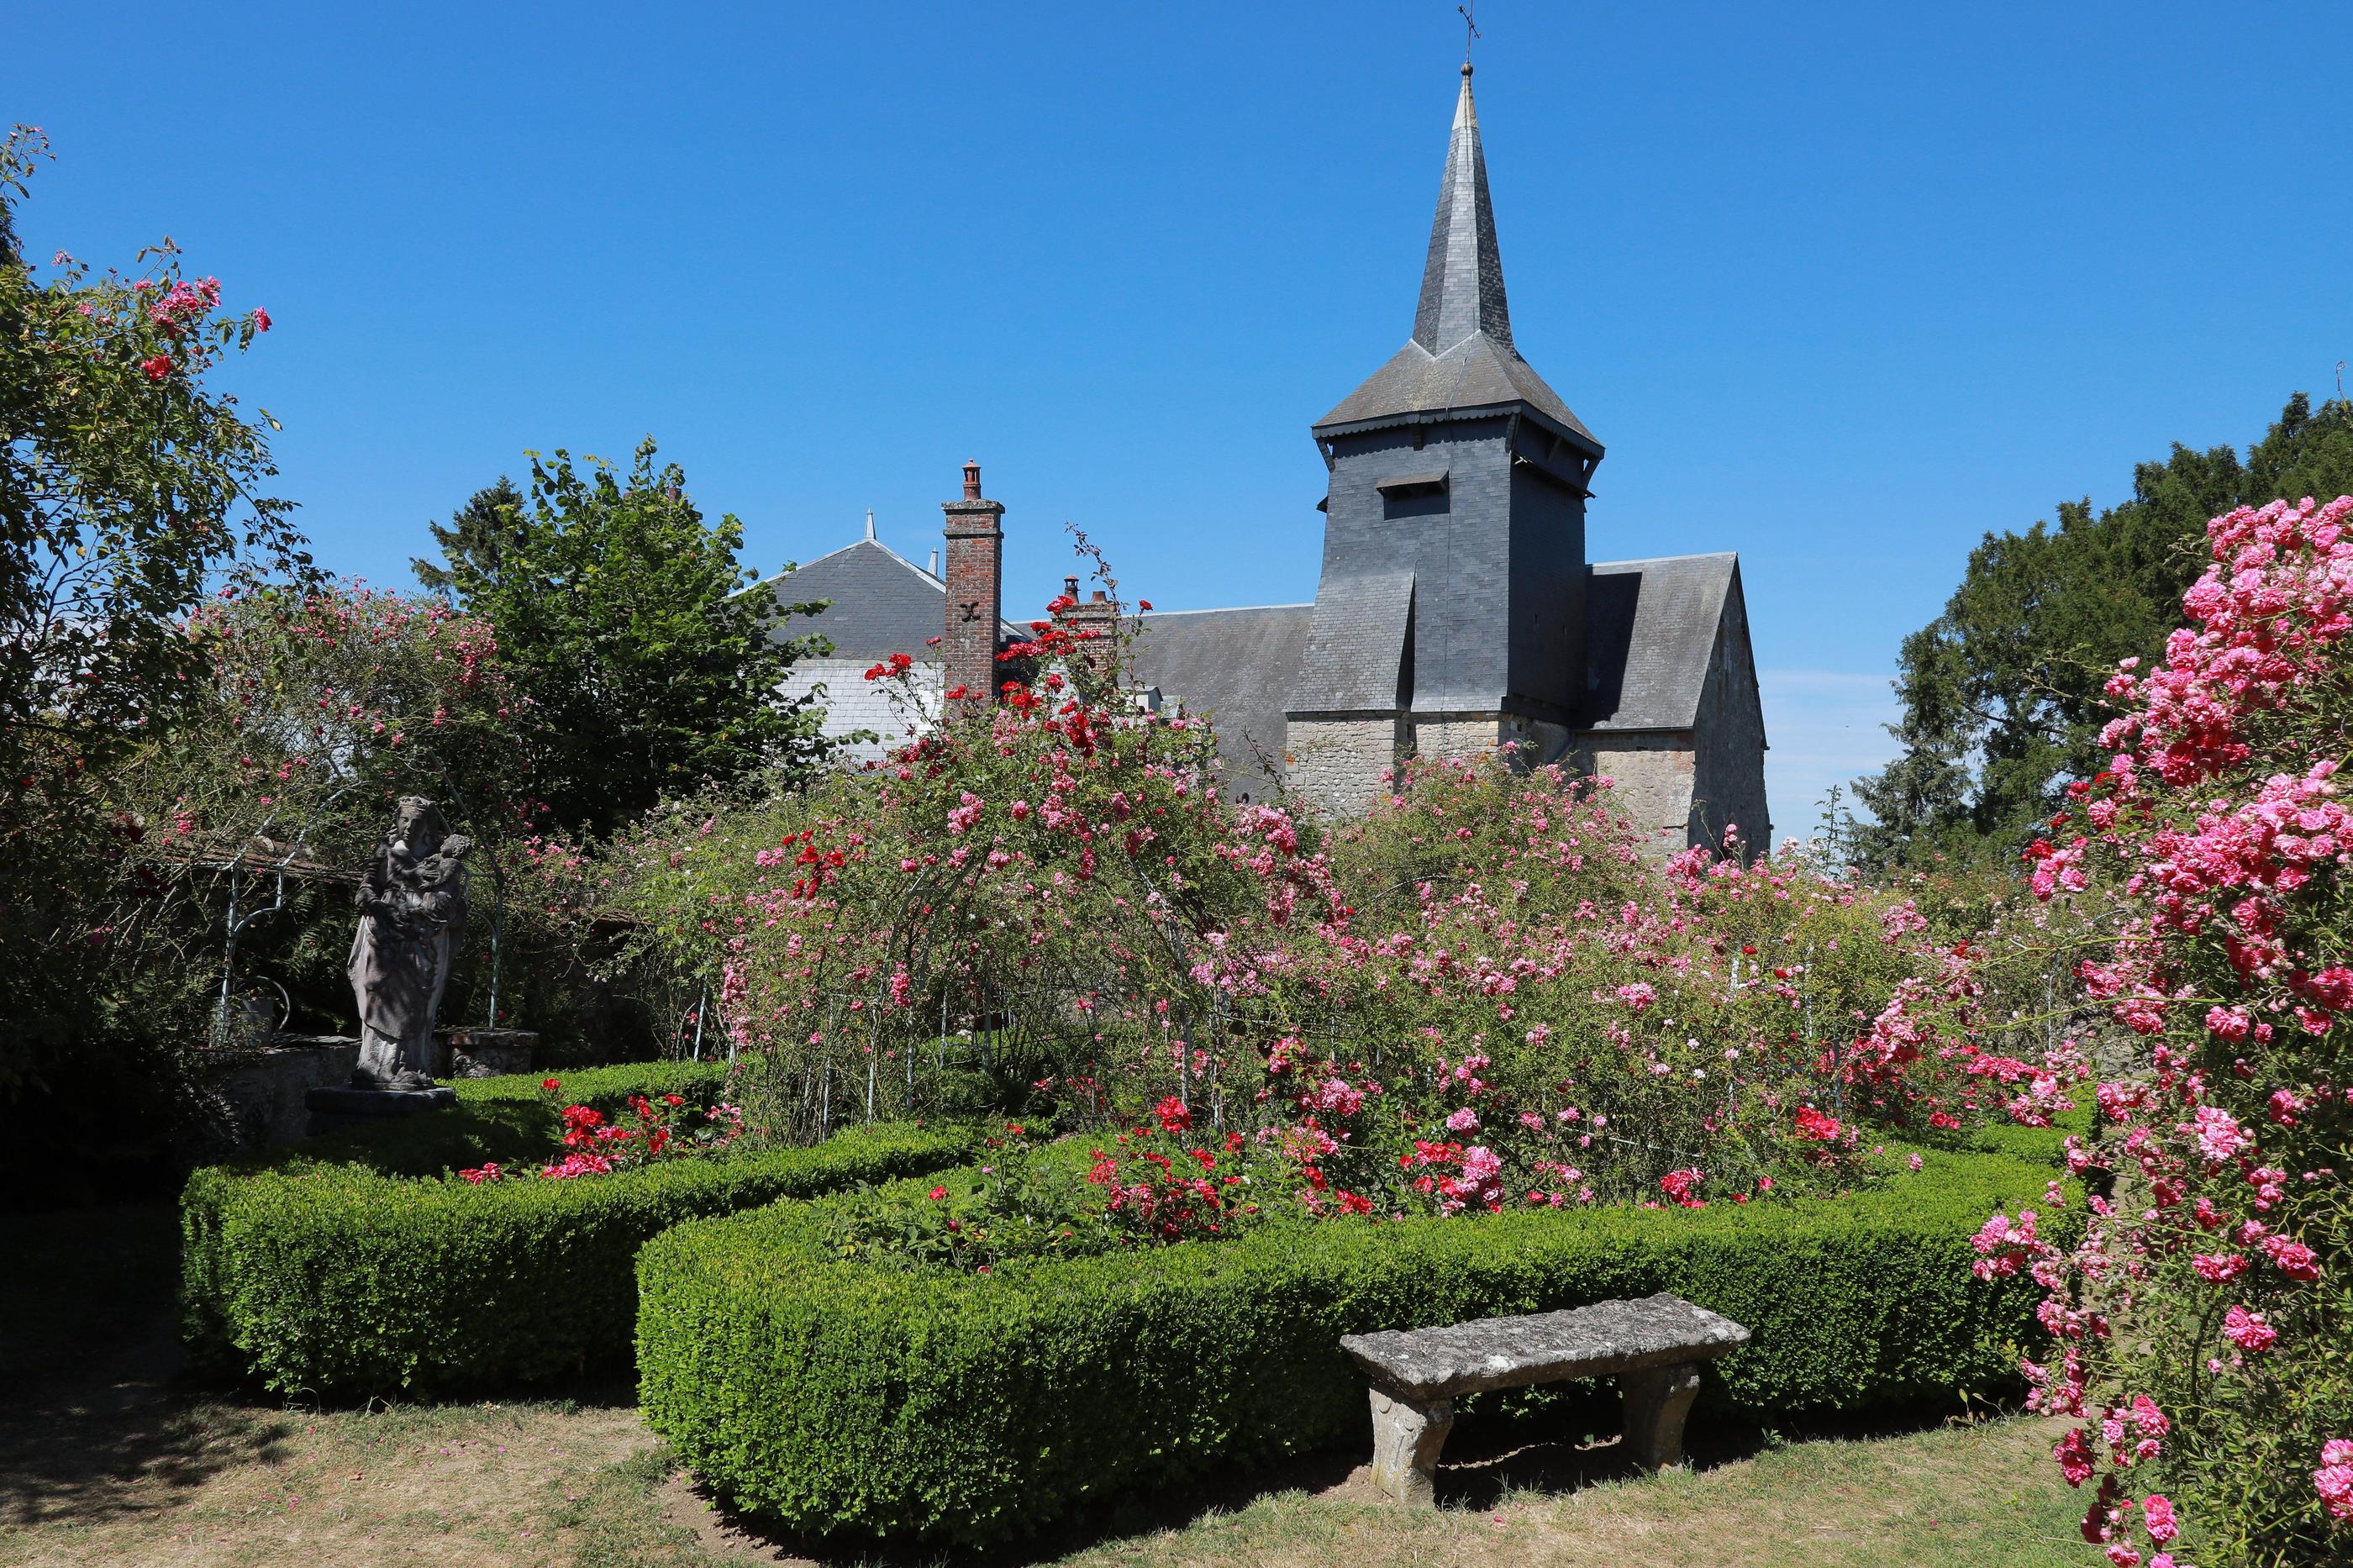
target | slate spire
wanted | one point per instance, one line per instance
(1461, 359)
(1462, 280)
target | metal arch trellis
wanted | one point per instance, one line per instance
(237, 924)
(497, 895)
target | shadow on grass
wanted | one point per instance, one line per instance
(94, 1428)
(1552, 1442)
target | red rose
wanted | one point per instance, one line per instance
(158, 368)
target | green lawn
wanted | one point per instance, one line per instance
(105, 1459)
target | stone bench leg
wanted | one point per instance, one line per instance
(1406, 1440)
(1656, 1402)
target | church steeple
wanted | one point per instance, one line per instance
(1460, 358)
(1462, 280)
(1451, 616)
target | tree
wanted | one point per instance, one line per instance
(2002, 692)
(480, 533)
(128, 492)
(622, 617)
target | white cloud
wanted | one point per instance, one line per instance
(1822, 727)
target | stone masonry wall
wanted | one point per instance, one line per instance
(1728, 782)
(1336, 763)
(1650, 777)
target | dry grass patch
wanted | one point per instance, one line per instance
(106, 1463)
(1980, 1496)
(209, 1484)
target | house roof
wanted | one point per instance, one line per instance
(1461, 356)
(882, 602)
(1236, 666)
(1649, 633)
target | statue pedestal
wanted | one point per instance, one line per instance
(333, 1109)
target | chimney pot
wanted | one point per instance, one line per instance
(1071, 586)
(972, 481)
(1101, 597)
(935, 563)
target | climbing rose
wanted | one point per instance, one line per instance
(1814, 1124)
(2333, 1479)
(157, 368)
(2248, 1330)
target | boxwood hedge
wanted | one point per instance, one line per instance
(352, 1265)
(839, 1396)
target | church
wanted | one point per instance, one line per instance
(1457, 610)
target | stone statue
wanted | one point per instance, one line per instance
(412, 904)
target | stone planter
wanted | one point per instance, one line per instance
(485, 1053)
(260, 1091)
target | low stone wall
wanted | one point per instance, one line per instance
(485, 1053)
(260, 1093)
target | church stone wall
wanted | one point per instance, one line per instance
(1728, 786)
(1537, 740)
(1337, 763)
(1651, 778)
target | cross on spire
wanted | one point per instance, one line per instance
(1470, 26)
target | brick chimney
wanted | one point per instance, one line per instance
(1095, 623)
(976, 580)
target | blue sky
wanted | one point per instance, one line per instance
(1839, 286)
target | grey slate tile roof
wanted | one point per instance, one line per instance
(882, 603)
(1460, 355)
(1474, 373)
(1235, 665)
(1356, 643)
(1650, 631)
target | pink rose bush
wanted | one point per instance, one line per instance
(2200, 1325)
(1482, 995)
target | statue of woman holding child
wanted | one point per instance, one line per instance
(412, 904)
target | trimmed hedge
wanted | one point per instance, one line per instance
(505, 1119)
(371, 1276)
(845, 1397)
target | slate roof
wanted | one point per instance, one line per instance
(1356, 643)
(1650, 632)
(1235, 665)
(1461, 356)
(882, 603)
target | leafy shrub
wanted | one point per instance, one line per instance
(840, 1394)
(376, 1275)
(508, 1119)
(1485, 979)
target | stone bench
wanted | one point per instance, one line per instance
(1654, 1347)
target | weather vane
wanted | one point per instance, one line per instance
(1469, 28)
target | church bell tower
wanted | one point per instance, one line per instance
(1450, 615)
